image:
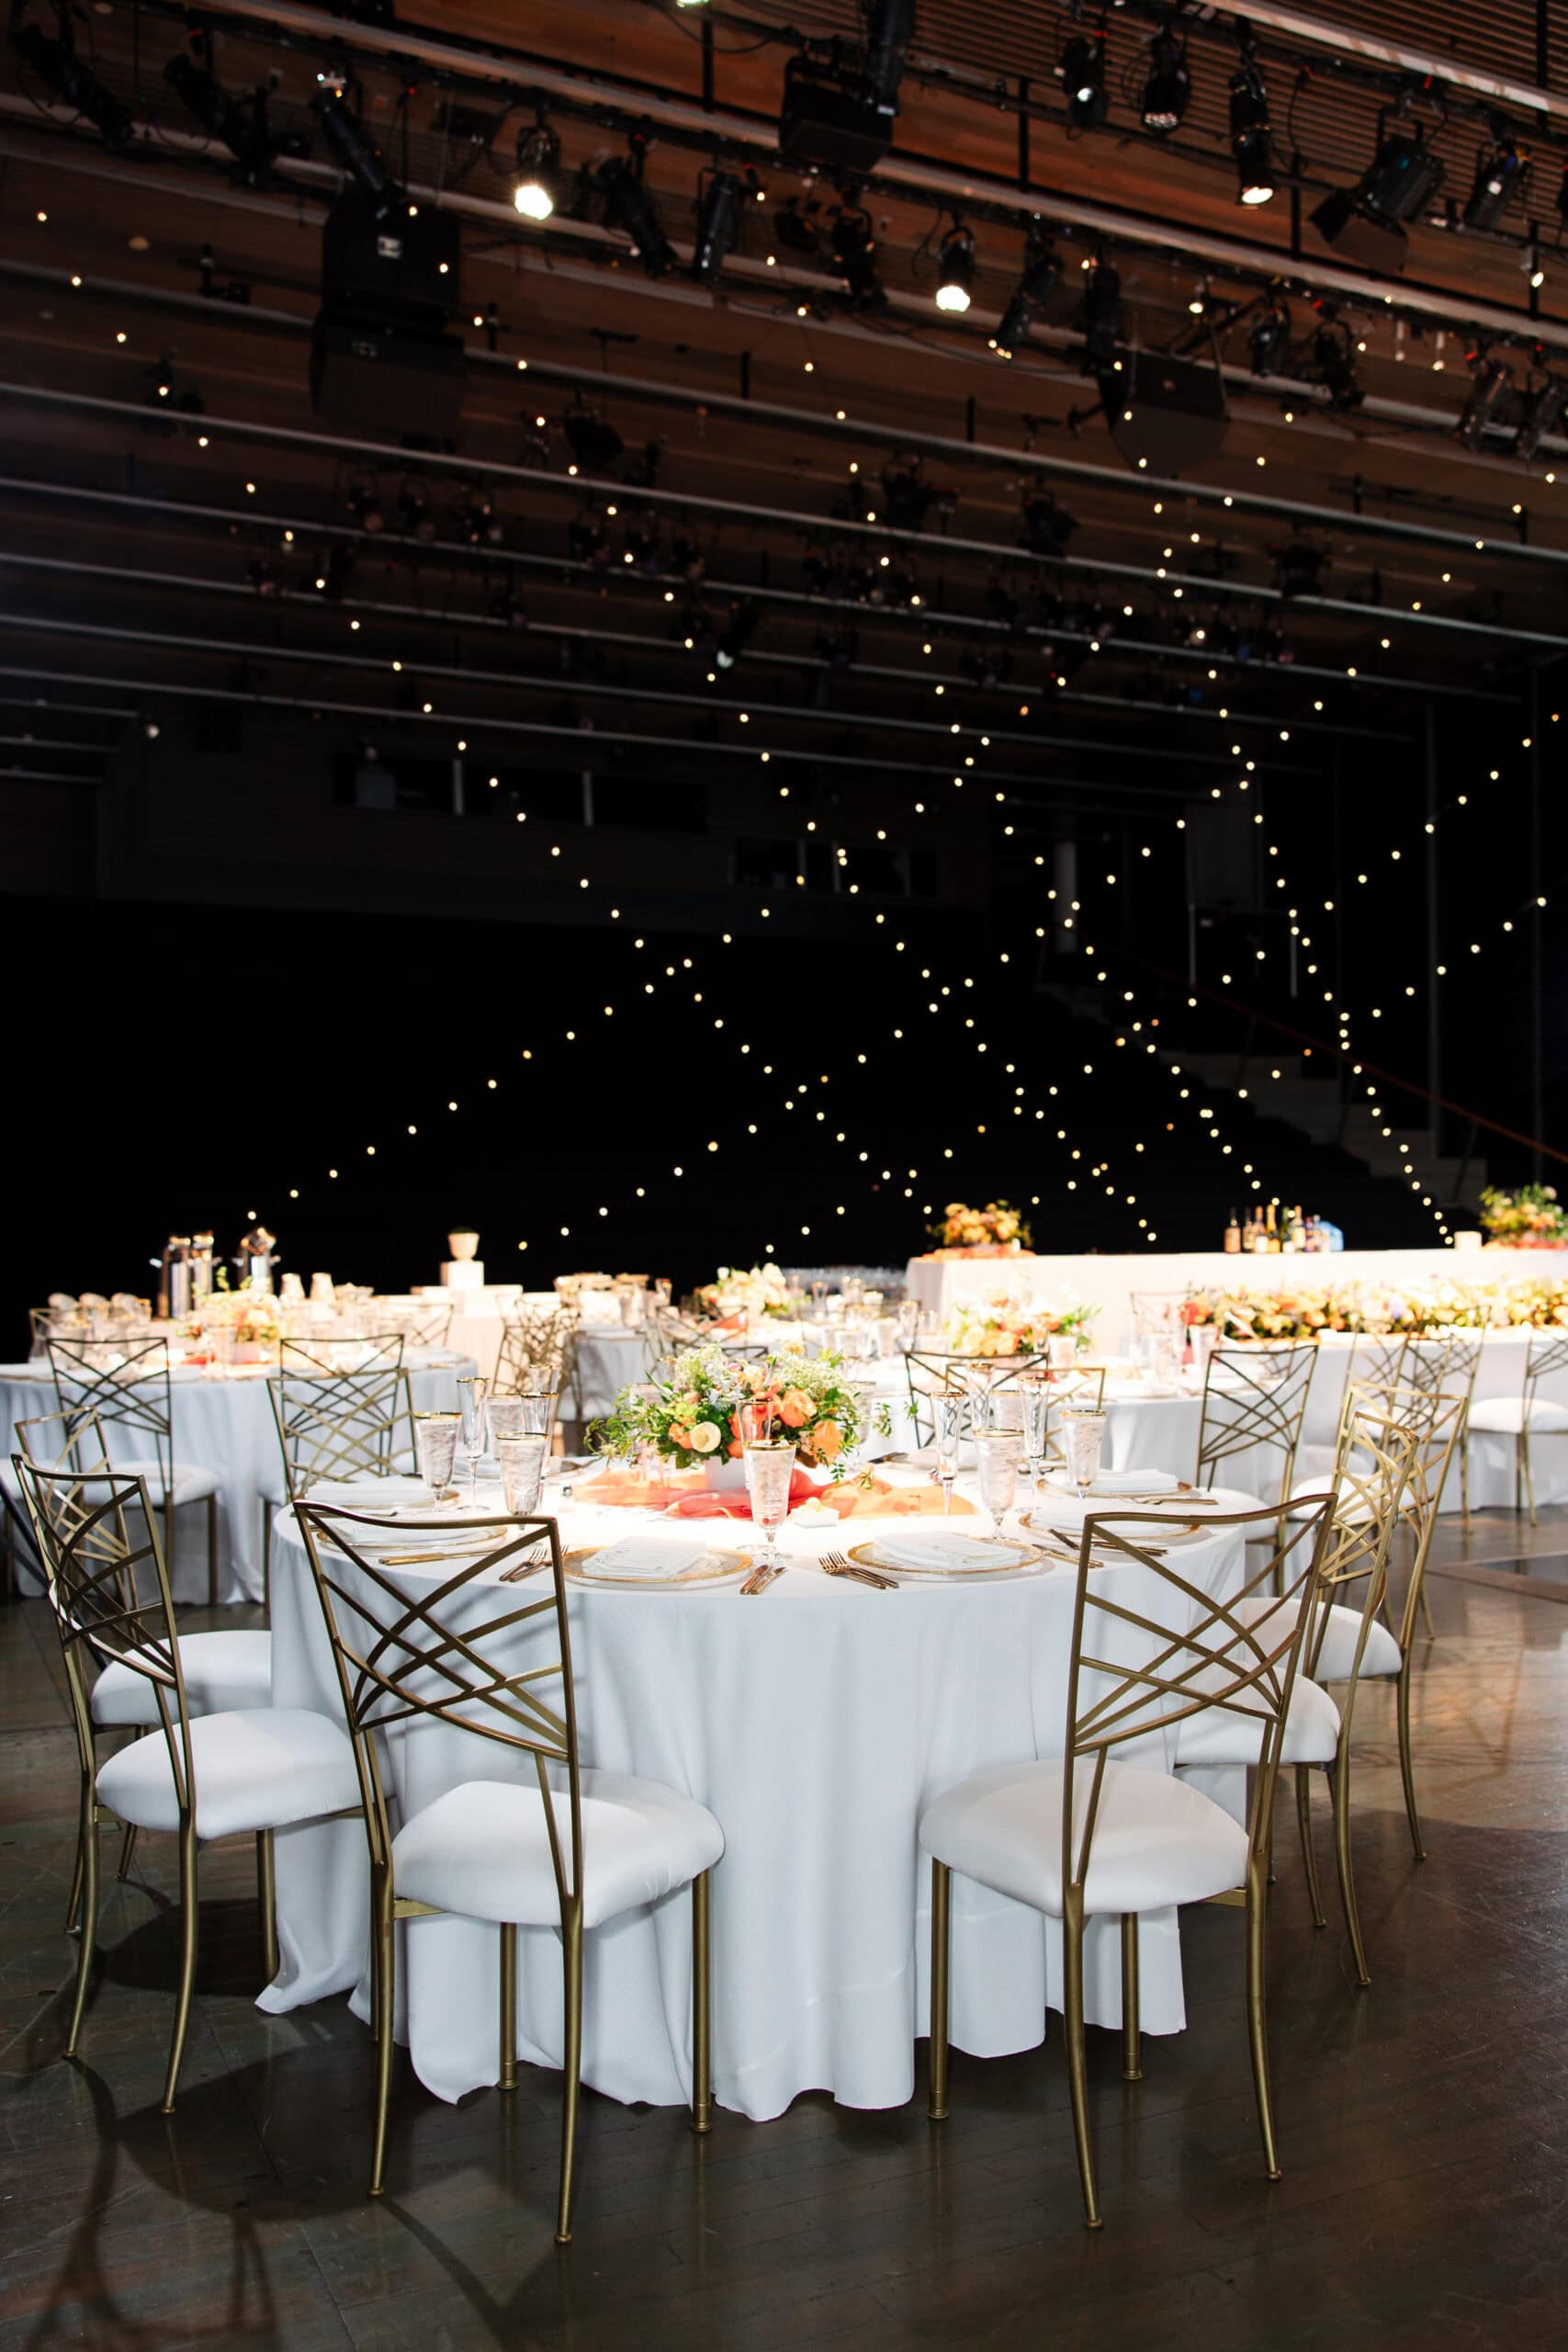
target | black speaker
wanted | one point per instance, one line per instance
(366, 377)
(400, 261)
(826, 123)
(1164, 414)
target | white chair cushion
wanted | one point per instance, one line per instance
(1352, 1509)
(258, 1769)
(484, 1849)
(191, 1485)
(1157, 1841)
(221, 1671)
(1225, 1736)
(1505, 1416)
(1336, 1653)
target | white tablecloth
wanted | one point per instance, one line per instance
(222, 1422)
(816, 1722)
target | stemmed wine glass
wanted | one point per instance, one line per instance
(947, 1432)
(472, 1395)
(1083, 1434)
(996, 1460)
(436, 1441)
(1034, 1400)
(768, 1452)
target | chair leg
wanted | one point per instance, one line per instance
(572, 1969)
(1427, 1610)
(1529, 1476)
(127, 1851)
(88, 1863)
(1465, 1474)
(266, 1898)
(212, 1551)
(189, 1915)
(1406, 1764)
(1077, 2071)
(507, 2078)
(942, 1891)
(1309, 1844)
(74, 1902)
(702, 2003)
(266, 1560)
(1339, 1786)
(383, 2011)
(1257, 2014)
(169, 1527)
(1131, 2055)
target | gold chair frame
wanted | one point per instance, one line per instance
(400, 1660)
(1255, 1396)
(945, 1369)
(94, 1570)
(127, 1397)
(534, 1340)
(1216, 1659)
(335, 1424)
(427, 1327)
(1546, 1353)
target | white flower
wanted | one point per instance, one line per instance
(705, 1438)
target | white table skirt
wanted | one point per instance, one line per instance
(222, 1422)
(816, 1723)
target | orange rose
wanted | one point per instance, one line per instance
(679, 1436)
(795, 1409)
(826, 1440)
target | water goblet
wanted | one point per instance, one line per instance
(538, 1411)
(947, 1428)
(522, 1461)
(435, 1443)
(1083, 1435)
(768, 1454)
(996, 1460)
(472, 1395)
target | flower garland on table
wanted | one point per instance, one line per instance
(763, 1291)
(1379, 1314)
(999, 1225)
(1003, 1325)
(694, 1416)
(1529, 1218)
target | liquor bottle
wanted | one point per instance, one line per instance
(1297, 1229)
(1258, 1240)
(1271, 1233)
(1233, 1237)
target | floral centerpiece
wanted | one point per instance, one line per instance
(1529, 1217)
(1004, 1326)
(693, 1417)
(763, 1291)
(995, 1231)
(1378, 1313)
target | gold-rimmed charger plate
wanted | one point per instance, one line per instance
(711, 1568)
(1026, 1555)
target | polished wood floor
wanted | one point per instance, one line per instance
(1424, 2134)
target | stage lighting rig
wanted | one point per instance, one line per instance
(1167, 85)
(1542, 414)
(739, 629)
(536, 187)
(1365, 223)
(1101, 317)
(1037, 282)
(718, 224)
(1493, 384)
(1333, 361)
(1501, 171)
(1252, 143)
(211, 287)
(241, 125)
(854, 250)
(1082, 76)
(56, 64)
(353, 149)
(955, 268)
(629, 206)
(1268, 337)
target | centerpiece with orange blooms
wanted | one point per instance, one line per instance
(692, 1420)
(995, 1231)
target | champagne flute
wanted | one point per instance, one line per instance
(503, 1418)
(947, 1427)
(768, 1452)
(435, 1442)
(908, 1323)
(522, 1461)
(995, 1459)
(1083, 1434)
(1201, 1339)
(472, 1395)
(1034, 1398)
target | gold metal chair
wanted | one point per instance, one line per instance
(537, 1342)
(1458, 1380)
(336, 1423)
(125, 1383)
(930, 1371)
(427, 1327)
(1528, 1416)
(407, 1658)
(1078, 1391)
(1149, 1651)
(200, 1776)
(1255, 1399)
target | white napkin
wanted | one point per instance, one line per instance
(1124, 1482)
(655, 1557)
(916, 1551)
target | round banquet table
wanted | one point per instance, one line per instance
(816, 1722)
(222, 1422)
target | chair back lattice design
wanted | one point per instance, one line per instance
(1546, 1354)
(1376, 1459)
(1463, 1364)
(338, 1425)
(112, 1602)
(930, 1372)
(52, 1441)
(1255, 1397)
(1437, 1424)
(422, 1326)
(1150, 1648)
(674, 1332)
(122, 1383)
(539, 1347)
(1070, 1392)
(407, 1655)
(1376, 1356)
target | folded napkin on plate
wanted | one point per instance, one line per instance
(1124, 1482)
(935, 1550)
(656, 1558)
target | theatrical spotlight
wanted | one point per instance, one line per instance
(1363, 223)
(718, 224)
(56, 64)
(538, 180)
(1101, 317)
(1168, 84)
(955, 268)
(1494, 380)
(1251, 139)
(1334, 361)
(890, 28)
(353, 147)
(1500, 174)
(1542, 414)
(235, 124)
(1082, 74)
(630, 207)
(1041, 268)
(854, 251)
(1268, 338)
